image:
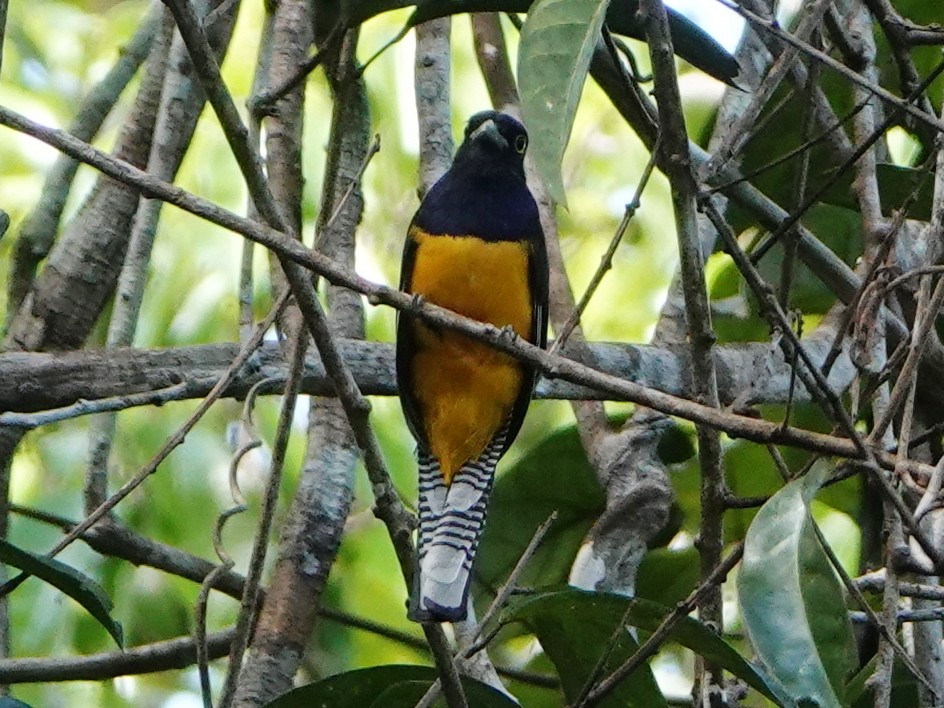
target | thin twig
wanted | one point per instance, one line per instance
(771, 310)
(38, 230)
(505, 591)
(817, 194)
(157, 397)
(593, 694)
(264, 101)
(251, 589)
(477, 642)
(676, 162)
(226, 561)
(606, 260)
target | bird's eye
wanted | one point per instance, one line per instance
(521, 144)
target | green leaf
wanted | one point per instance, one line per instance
(404, 693)
(677, 444)
(896, 183)
(905, 692)
(557, 43)
(763, 158)
(67, 579)
(553, 476)
(666, 576)
(840, 230)
(791, 601)
(574, 627)
(391, 686)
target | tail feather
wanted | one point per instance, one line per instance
(451, 521)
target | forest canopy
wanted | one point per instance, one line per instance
(727, 488)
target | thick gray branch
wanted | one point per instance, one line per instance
(32, 382)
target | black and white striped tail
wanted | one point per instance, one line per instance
(451, 522)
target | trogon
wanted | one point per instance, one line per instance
(475, 246)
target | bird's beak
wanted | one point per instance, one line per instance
(489, 131)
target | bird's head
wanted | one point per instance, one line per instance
(494, 142)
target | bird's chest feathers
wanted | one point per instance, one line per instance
(465, 389)
(484, 280)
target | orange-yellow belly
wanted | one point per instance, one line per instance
(465, 390)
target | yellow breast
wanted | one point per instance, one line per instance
(465, 390)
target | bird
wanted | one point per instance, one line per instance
(475, 246)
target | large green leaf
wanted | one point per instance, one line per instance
(666, 576)
(67, 579)
(574, 626)
(557, 43)
(791, 600)
(553, 476)
(391, 686)
(781, 132)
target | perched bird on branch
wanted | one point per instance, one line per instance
(475, 247)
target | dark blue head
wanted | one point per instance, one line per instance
(494, 143)
(484, 193)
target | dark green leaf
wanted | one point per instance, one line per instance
(553, 476)
(895, 183)
(392, 686)
(791, 601)
(773, 155)
(405, 693)
(67, 579)
(557, 43)
(857, 688)
(574, 629)
(667, 577)
(574, 626)
(841, 231)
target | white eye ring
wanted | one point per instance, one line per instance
(521, 144)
